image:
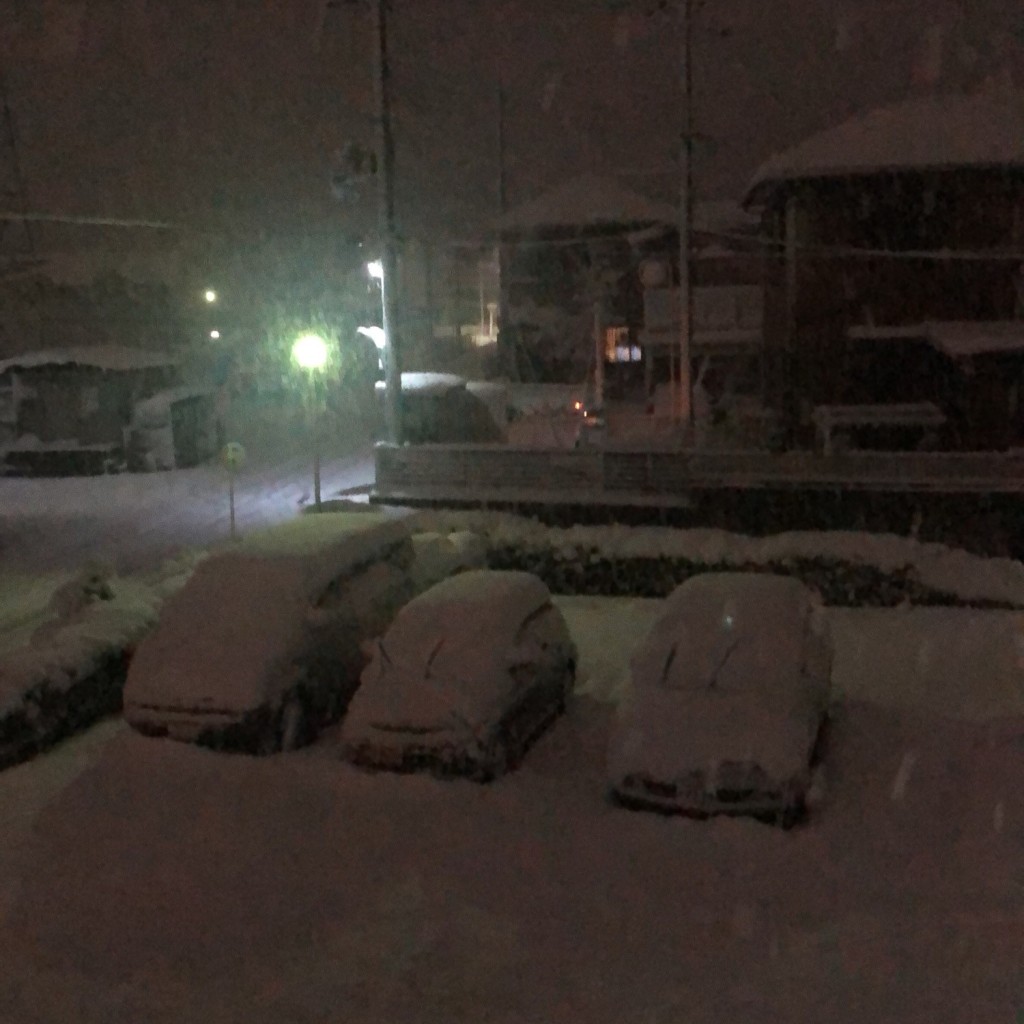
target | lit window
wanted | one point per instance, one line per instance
(615, 338)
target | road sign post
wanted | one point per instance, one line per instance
(232, 457)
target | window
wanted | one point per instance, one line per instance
(617, 348)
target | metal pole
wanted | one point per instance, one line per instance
(598, 357)
(685, 210)
(386, 224)
(231, 502)
(316, 467)
(314, 429)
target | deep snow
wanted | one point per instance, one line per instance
(149, 880)
(166, 883)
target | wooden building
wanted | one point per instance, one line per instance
(895, 267)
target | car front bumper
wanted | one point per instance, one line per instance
(185, 724)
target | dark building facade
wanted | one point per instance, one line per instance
(895, 250)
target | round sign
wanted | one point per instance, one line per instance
(232, 455)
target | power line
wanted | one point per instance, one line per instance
(60, 218)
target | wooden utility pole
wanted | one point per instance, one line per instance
(386, 224)
(685, 406)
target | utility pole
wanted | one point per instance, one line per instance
(685, 406)
(14, 252)
(502, 184)
(386, 224)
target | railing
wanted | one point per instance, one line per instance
(500, 473)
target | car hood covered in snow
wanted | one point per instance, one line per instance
(445, 663)
(736, 669)
(222, 638)
(240, 624)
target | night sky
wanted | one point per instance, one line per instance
(229, 110)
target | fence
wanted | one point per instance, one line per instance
(472, 473)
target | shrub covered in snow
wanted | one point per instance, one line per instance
(847, 568)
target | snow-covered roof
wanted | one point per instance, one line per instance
(101, 357)
(958, 339)
(588, 200)
(980, 130)
(963, 339)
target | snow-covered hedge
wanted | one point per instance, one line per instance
(848, 568)
(71, 671)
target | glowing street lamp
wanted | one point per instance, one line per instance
(310, 353)
(215, 334)
(375, 269)
(210, 295)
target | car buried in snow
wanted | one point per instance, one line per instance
(729, 695)
(470, 673)
(263, 646)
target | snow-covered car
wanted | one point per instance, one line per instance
(470, 673)
(729, 696)
(264, 644)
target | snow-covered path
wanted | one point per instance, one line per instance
(135, 521)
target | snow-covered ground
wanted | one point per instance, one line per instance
(136, 520)
(150, 881)
(146, 880)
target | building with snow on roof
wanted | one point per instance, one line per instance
(593, 241)
(69, 410)
(895, 272)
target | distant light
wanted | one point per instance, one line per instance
(215, 335)
(210, 295)
(375, 268)
(375, 334)
(310, 352)
(577, 406)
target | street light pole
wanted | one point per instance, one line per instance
(685, 10)
(310, 353)
(386, 223)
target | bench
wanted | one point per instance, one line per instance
(827, 418)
